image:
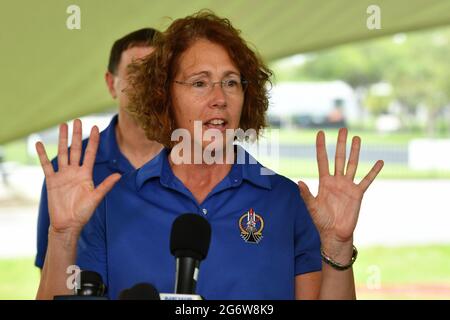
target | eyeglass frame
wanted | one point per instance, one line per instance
(242, 82)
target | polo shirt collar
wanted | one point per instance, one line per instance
(250, 171)
(108, 149)
(254, 172)
(152, 169)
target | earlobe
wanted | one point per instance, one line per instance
(109, 79)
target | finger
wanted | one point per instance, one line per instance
(305, 193)
(321, 153)
(339, 160)
(43, 159)
(368, 179)
(91, 149)
(353, 159)
(104, 187)
(62, 146)
(75, 148)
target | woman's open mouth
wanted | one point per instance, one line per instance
(216, 123)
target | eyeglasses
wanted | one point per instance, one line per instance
(205, 87)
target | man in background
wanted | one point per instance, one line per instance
(123, 145)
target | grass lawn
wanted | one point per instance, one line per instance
(308, 136)
(421, 272)
(17, 152)
(377, 271)
(300, 168)
(19, 279)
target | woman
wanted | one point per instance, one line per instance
(264, 243)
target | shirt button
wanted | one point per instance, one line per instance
(204, 211)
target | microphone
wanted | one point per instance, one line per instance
(91, 284)
(140, 291)
(189, 243)
(91, 287)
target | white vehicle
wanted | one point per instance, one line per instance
(312, 104)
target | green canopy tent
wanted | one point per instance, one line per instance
(50, 73)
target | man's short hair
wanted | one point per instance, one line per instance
(139, 38)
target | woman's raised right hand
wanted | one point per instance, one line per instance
(72, 196)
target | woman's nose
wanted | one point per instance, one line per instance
(218, 95)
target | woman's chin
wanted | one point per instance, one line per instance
(216, 151)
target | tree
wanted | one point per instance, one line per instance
(416, 67)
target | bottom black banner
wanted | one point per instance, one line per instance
(227, 310)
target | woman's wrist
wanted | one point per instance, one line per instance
(339, 251)
(66, 239)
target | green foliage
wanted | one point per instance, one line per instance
(377, 104)
(416, 66)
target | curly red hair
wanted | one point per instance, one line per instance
(150, 80)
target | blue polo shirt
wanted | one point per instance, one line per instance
(108, 160)
(127, 239)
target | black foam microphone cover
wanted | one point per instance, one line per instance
(140, 291)
(190, 236)
(91, 284)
